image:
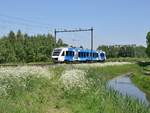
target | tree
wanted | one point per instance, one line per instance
(115, 51)
(148, 44)
(140, 51)
(19, 47)
(11, 36)
(60, 42)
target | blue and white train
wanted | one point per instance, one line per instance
(77, 55)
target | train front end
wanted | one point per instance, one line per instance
(57, 55)
(102, 56)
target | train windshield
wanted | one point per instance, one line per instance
(102, 54)
(56, 52)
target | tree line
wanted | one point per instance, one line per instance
(148, 44)
(21, 47)
(116, 51)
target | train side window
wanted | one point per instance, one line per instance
(73, 53)
(70, 53)
(67, 53)
(87, 54)
(79, 54)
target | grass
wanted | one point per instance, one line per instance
(142, 80)
(32, 93)
(127, 59)
(98, 99)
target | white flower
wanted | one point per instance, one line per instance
(17, 76)
(73, 78)
(87, 65)
(24, 71)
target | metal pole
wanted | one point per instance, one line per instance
(55, 33)
(76, 30)
(91, 43)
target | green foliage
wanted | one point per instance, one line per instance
(19, 47)
(148, 44)
(117, 51)
(142, 80)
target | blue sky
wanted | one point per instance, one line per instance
(114, 21)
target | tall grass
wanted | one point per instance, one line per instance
(98, 99)
(34, 93)
(29, 92)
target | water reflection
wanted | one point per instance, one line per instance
(124, 85)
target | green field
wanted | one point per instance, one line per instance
(68, 89)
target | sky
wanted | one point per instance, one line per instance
(114, 21)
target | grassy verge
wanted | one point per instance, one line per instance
(142, 80)
(64, 89)
(127, 59)
(98, 99)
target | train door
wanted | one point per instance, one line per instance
(75, 55)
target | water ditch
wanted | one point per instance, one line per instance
(124, 85)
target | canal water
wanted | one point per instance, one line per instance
(124, 85)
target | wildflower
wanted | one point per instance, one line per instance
(74, 78)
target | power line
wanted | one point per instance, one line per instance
(10, 22)
(24, 20)
(7, 26)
